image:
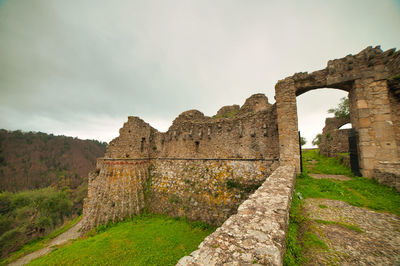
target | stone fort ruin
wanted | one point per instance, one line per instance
(237, 169)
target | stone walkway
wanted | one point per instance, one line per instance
(353, 235)
(72, 233)
(325, 176)
(377, 243)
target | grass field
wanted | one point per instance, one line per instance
(143, 240)
(357, 191)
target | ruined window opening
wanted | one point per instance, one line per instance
(142, 144)
(127, 155)
(197, 145)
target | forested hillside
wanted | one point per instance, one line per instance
(43, 181)
(36, 160)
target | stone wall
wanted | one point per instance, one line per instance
(202, 167)
(115, 191)
(257, 233)
(250, 132)
(394, 98)
(204, 190)
(334, 140)
(388, 171)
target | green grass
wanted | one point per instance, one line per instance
(142, 240)
(357, 191)
(324, 165)
(230, 114)
(345, 225)
(311, 240)
(38, 243)
(294, 248)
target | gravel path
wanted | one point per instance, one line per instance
(72, 233)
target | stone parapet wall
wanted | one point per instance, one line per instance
(257, 233)
(205, 190)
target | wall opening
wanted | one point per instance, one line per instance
(312, 110)
(142, 144)
(197, 143)
(346, 126)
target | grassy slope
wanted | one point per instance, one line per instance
(358, 191)
(38, 243)
(144, 240)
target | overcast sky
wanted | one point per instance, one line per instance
(79, 68)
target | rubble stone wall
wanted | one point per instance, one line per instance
(205, 190)
(334, 140)
(202, 167)
(251, 132)
(115, 191)
(257, 233)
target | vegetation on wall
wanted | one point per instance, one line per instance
(342, 110)
(317, 140)
(303, 141)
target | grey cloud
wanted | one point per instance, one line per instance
(67, 64)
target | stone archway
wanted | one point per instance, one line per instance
(373, 107)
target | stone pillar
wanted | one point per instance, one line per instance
(369, 103)
(286, 108)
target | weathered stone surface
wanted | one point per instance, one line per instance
(255, 103)
(334, 140)
(204, 190)
(202, 167)
(257, 233)
(253, 133)
(228, 110)
(370, 77)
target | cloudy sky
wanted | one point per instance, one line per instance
(79, 68)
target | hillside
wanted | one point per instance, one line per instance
(43, 181)
(31, 160)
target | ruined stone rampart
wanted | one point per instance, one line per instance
(202, 167)
(115, 191)
(333, 139)
(250, 132)
(257, 233)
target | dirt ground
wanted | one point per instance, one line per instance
(72, 233)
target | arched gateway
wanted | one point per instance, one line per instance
(372, 80)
